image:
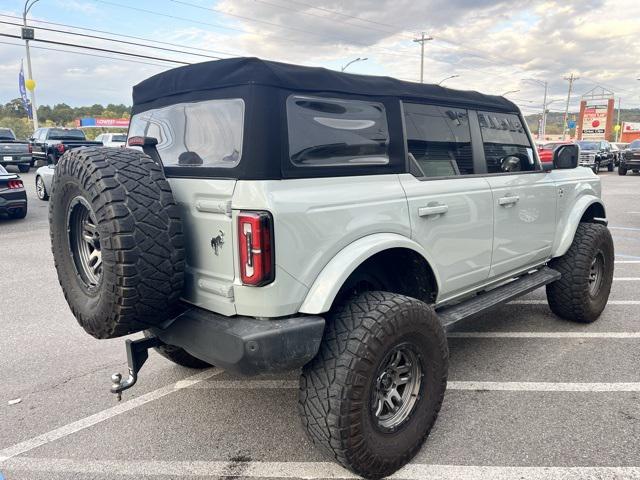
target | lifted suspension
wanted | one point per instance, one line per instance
(137, 354)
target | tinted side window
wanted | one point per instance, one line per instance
(439, 139)
(327, 132)
(506, 146)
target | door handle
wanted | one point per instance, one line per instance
(508, 200)
(438, 209)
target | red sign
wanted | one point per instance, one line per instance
(112, 122)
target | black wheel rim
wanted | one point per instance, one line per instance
(84, 242)
(40, 188)
(396, 387)
(596, 274)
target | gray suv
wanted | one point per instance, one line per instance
(271, 217)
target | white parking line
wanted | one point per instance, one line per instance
(627, 261)
(626, 279)
(544, 302)
(631, 229)
(91, 420)
(452, 385)
(311, 470)
(543, 334)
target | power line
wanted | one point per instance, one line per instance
(98, 49)
(88, 54)
(85, 35)
(126, 36)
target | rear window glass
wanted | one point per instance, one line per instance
(6, 134)
(206, 134)
(634, 144)
(119, 138)
(326, 132)
(507, 148)
(61, 134)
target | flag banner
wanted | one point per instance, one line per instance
(23, 92)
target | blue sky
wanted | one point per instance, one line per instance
(491, 46)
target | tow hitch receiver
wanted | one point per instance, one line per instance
(137, 354)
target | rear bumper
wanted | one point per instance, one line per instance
(245, 345)
(12, 201)
(15, 159)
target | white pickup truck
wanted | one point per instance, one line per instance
(277, 217)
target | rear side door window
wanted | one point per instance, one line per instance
(438, 140)
(333, 132)
(507, 148)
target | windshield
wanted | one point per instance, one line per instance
(119, 138)
(62, 134)
(6, 134)
(634, 144)
(589, 145)
(201, 134)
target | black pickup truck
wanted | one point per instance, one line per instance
(48, 144)
(14, 152)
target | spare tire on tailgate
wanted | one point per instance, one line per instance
(116, 237)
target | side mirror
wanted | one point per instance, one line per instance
(566, 156)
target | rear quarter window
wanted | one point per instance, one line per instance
(199, 134)
(330, 132)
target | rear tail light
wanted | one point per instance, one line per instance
(30, 148)
(255, 242)
(60, 148)
(15, 184)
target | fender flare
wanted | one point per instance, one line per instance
(328, 283)
(571, 225)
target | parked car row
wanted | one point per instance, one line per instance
(598, 154)
(13, 197)
(48, 144)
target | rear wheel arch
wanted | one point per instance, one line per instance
(387, 261)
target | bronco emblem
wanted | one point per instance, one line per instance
(217, 242)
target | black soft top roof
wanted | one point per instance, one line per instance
(234, 72)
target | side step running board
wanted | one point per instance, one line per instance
(527, 283)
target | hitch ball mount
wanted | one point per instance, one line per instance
(137, 354)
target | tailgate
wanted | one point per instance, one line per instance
(205, 206)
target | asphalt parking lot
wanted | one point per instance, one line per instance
(530, 396)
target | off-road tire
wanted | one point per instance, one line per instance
(335, 387)
(179, 356)
(140, 239)
(622, 171)
(569, 297)
(24, 167)
(610, 166)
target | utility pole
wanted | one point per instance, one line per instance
(618, 122)
(543, 127)
(571, 78)
(423, 38)
(26, 34)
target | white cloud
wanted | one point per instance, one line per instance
(492, 45)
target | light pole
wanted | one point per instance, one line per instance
(543, 120)
(26, 34)
(508, 92)
(447, 78)
(353, 61)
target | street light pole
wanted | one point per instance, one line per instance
(353, 61)
(34, 108)
(571, 78)
(508, 92)
(423, 38)
(447, 78)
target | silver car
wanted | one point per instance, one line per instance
(44, 176)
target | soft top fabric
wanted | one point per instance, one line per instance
(233, 72)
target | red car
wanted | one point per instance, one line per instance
(545, 151)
